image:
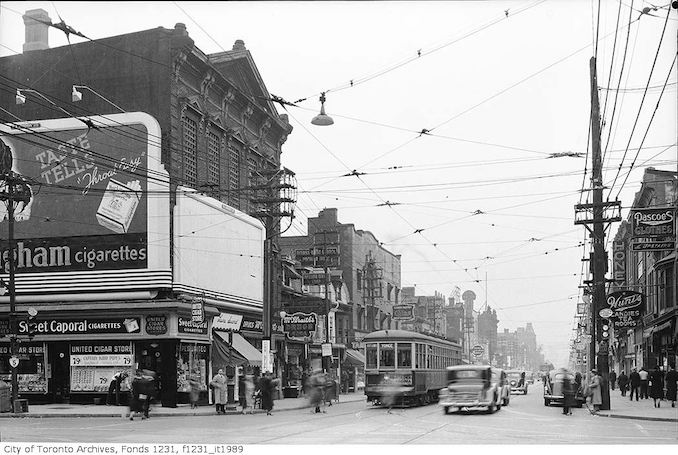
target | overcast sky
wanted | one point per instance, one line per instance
(501, 86)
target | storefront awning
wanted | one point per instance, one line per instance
(354, 358)
(242, 347)
(223, 354)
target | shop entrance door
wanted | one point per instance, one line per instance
(60, 381)
(160, 357)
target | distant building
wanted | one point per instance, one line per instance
(371, 272)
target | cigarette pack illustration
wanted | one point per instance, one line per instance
(118, 205)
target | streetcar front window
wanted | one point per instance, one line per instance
(386, 355)
(404, 355)
(371, 355)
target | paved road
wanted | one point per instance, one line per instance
(525, 421)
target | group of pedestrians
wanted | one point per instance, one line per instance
(645, 385)
(250, 392)
(142, 390)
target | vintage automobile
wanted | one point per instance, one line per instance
(518, 381)
(553, 387)
(472, 387)
(503, 386)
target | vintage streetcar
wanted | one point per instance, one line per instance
(406, 368)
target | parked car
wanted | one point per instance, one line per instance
(503, 386)
(472, 387)
(553, 387)
(518, 381)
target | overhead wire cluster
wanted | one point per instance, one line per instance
(353, 173)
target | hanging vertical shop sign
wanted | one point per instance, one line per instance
(266, 359)
(198, 311)
(619, 263)
(331, 318)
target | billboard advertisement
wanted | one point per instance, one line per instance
(94, 198)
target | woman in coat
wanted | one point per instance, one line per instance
(622, 380)
(671, 379)
(194, 391)
(596, 393)
(218, 384)
(266, 387)
(657, 387)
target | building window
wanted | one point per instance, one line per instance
(234, 177)
(213, 161)
(359, 278)
(251, 181)
(190, 159)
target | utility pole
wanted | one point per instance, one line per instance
(600, 345)
(329, 257)
(274, 197)
(15, 190)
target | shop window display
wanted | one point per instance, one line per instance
(191, 359)
(31, 369)
(93, 366)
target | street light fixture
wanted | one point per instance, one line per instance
(77, 96)
(322, 119)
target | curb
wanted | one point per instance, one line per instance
(654, 419)
(153, 414)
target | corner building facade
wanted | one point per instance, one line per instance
(202, 127)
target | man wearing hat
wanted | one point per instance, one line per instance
(596, 393)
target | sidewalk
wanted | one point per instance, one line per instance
(623, 408)
(182, 410)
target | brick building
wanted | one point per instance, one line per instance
(218, 130)
(359, 256)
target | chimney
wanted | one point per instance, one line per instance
(180, 29)
(239, 45)
(37, 36)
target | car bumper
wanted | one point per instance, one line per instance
(464, 403)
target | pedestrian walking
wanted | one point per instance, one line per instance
(220, 388)
(577, 383)
(147, 391)
(113, 396)
(623, 381)
(634, 379)
(568, 395)
(595, 391)
(657, 386)
(194, 388)
(644, 383)
(613, 379)
(136, 396)
(316, 390)
(267, 388)
(671, 385)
